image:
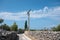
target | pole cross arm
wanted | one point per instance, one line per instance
(28, 12)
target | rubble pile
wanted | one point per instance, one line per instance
(7, 35)
(45, 35)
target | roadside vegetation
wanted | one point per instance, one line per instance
(14, 27)
(57, 28)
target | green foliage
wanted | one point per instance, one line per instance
(33, 30)
(14, 27)
(56, 28)
(20, 31)
(5, 27)
(26, 25)
(1, 20)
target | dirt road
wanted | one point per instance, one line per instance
(23, 37)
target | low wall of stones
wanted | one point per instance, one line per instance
(45, 35)
(7, 35)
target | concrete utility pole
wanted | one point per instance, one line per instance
(28, 13)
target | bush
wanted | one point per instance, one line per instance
(56, 28)
(20, 31)
(5, 27)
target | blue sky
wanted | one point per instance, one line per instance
(44, 13)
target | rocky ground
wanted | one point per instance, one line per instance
(29, 35)
(8, 35)
(12, 35)
(45, 35)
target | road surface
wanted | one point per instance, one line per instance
(23, 37)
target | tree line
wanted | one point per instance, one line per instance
(13, 27)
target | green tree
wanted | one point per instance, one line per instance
(5, 27)
(56, 28)
(1, 20)
(14, 27)
(26, 28)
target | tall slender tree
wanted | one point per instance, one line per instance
(26, 28)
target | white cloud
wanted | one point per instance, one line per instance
(41, 13)
(12, 16)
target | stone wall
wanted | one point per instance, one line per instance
(45, 35)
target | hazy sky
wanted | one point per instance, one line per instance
(44, 13)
